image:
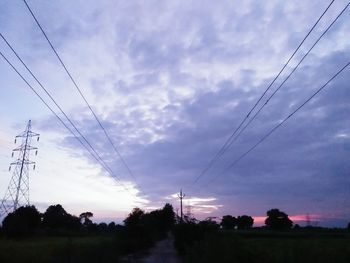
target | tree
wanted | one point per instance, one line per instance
(55, 217)
(228, 222)
(278, 220)
(85, 218)
(22, 222)
(349, 226)
(168, 216)
(72, 223)
(208, 225)
(102, 227)
(111, 226)
(134, 218)
(244, 222)
(296, 226)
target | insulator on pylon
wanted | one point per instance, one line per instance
(38, 138)
(12, 154)
(34, 167)
(36, 152)
(15, 140)
(10, 168)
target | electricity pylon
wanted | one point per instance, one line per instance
(17, 193)
(189, 211)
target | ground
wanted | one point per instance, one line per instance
(162, 252)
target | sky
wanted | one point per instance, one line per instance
(170, 81)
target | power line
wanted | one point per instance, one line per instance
(277, 126)
(57, 105)
(82, 95)
(101, 162)
(53, 100)
(289, 75)
(228, 143)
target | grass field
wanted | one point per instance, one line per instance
(67, 249)
(59, 249)
(251, 247)
(225, 246)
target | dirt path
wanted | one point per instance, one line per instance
(162, 252)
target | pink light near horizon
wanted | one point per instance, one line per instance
(260, 220)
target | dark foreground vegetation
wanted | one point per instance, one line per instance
(278, 241)
(56, 236)
(261, 246)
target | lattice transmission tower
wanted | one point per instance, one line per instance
(17, 193)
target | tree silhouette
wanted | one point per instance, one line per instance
(209, 225)
(22, 222)
(161, 220)
(228, 222)
(55, 217)
(102, 227)
(168, 216)
(72, 222)
(85, 218)
(134, 218)
(296, 226)
(244, 222)
(111, 226)
(154, 224)
(278, 220)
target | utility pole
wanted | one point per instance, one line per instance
(17, 193)
(181, 196)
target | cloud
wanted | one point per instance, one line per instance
(296, 166)
(171, 81)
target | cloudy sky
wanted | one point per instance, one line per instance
(170, 81)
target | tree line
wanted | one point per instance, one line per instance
(275, 219)
(27, 221)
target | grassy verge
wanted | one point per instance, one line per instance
(251, 247)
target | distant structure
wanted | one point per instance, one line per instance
(189, 213)
(308, 220)
(181, 197)
(17, 193)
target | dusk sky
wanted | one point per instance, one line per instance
(170, 81)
